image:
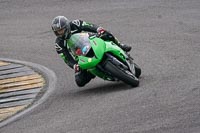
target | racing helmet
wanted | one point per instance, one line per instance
(61, 27)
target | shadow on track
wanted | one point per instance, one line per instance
(105, 88)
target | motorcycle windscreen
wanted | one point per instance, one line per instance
(79, 44)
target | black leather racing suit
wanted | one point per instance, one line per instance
(77, 26)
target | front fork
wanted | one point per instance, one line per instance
(130, 63)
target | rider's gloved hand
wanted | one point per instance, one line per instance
(76, 68)
(100, 31)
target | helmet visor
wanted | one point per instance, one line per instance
(61, 31)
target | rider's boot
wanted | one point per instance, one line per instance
(126, 48)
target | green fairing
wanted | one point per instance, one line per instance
(99, 46)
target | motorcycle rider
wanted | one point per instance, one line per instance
(63, 29)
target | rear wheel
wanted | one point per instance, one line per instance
(121, 74)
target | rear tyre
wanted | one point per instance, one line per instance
(123, 75)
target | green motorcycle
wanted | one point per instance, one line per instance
(103, 58)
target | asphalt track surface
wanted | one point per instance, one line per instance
(165, 36)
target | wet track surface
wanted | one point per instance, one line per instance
(165, 36)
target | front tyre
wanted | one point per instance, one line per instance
(121, 74)
(137, 70)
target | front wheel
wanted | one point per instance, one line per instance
(137, 70)
(121, 74)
